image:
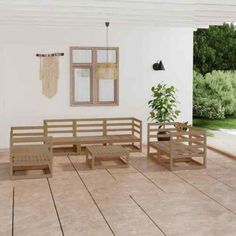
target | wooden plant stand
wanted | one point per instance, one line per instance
(107, 153)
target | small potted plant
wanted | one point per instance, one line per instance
(163, 105)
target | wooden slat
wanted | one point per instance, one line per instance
(137, 131)
(119, 118)
(162, 129)
(59, 120)
(27, 134)
(137, 120)
(90, 120)
(153, 136)
(125, 129)
(188, 140)
(119, 124)
(26, 127)
(89, 130)
(59, 126)
(162, 124)
(28, 139)
(192, 133)
(60, 131)
(137, 126)
(89, 125)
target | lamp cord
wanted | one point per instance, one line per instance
(107, 44)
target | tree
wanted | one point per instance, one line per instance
(215, 48)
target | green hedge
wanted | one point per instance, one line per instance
(214, 95)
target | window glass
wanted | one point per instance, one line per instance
(82, 85)
(106, 90)
(82, 56)
(106, 56)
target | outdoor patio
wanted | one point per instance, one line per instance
(144, 199)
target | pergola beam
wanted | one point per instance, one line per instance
(189, 13)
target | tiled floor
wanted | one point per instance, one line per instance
(144, 199)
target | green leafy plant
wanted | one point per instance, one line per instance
(214, 95)
(163, 103)
(210, 109)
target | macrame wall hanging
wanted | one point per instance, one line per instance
(49, 73)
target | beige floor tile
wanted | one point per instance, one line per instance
(6, 204)
(78, 213)
(126, 218)
(169, 182)
(188, 214)
(34, 212)
(220, 192)
(144, 164)
(135, 183)
(129, 169)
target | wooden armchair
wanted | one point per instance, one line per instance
(30, 151)
(175, 143)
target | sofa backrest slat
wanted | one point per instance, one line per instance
(121, 126)
(59, 128)
(93, 126)
(89, 130)
(26, 135)
(89, 127)
(118, 130)
(60, 131)
(160, 130)
(184, 135)
(27, 131)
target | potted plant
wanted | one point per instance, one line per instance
(163, 105)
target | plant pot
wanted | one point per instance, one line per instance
(163, 138)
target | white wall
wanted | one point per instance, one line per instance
(21, 101)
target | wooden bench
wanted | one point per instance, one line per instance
(71, 136)
(30, 151)
(175, 143)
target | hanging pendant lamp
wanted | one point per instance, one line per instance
(107, 28)
(107, 70)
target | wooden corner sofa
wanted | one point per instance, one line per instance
(178, 145)
(30, 151)
(71, 136)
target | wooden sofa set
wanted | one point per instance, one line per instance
(32, 147)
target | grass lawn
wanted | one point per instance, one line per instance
(227, 123)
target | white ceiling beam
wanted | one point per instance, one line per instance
(140, 12)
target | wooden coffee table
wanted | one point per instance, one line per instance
(107, 153)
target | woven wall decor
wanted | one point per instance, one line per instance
(107, 71)
(49, 73)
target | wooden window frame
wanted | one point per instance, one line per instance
(94, 82)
